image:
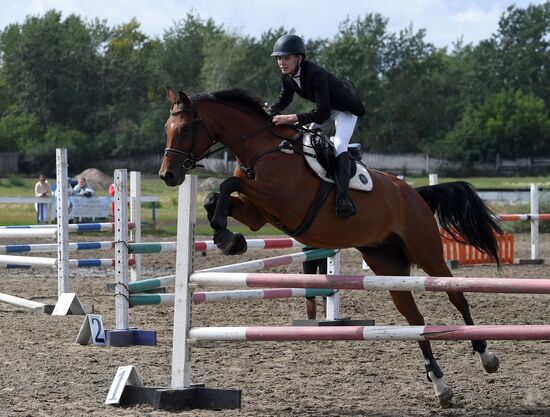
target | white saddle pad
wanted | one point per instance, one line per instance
(361, 181)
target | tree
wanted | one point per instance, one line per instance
(232, 61)
(510, 124)
(16, 130)
(410, 113)
(59, 82)
(185, 49)
(355, 54)
(523, 40)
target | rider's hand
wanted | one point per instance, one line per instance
(284, 119)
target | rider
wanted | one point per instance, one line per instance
(334, 99)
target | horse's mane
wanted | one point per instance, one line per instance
(235, 97)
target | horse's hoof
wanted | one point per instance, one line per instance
(239, 245)
(230, 243)
(490, 362)
(223, 240)
(445, 397)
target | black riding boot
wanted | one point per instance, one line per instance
(344, 205)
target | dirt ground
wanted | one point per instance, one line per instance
(43, 372)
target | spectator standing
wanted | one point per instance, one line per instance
(42, 189)
(112, 194)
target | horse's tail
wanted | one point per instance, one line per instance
(462, 214)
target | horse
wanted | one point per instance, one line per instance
(393, 229)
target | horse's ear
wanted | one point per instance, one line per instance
(171, 96)
(184, 99)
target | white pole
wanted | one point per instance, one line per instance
(135, 217)
(20, 302)
(434, 179)
(62, 197)
(121, 250)
(333, 301)
(181, 354)
(535, 249)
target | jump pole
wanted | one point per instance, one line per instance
(333, 301)
(223, 296)
(373, 283)
(35, 306)
(135, 217)
(187, 215)
(249, 266)
(123, 335)
(273, 243)
(209, 245)
(371, 333)
(62, 196)
(121, 237)
(535, 249)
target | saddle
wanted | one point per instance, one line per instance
(321, 160)
(318, 151)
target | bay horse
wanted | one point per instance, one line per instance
(393, 229)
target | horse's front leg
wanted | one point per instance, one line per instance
(221, 205)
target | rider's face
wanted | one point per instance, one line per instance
(288, 63)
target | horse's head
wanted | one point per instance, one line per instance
(186, 140)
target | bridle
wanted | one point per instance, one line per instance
(191, 160)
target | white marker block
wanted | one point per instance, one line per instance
(125, 375)
(92, 331)
(68, 303)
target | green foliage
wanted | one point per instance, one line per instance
(12, 181)
(15, 131)
(42, 158)
(186, 44)
(50, 67)
(524, 48)
(510, 124)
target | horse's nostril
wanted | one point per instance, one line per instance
(169, 178)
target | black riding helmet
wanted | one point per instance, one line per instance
(289, 45)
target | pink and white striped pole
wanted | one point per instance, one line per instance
(311, 333)
(382, 283)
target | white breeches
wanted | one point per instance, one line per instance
(344, 122)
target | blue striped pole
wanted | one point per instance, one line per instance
(14, 261)
(74, 227)
(52, 247)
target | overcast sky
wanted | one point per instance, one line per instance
(444, 20)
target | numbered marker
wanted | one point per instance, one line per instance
(92, 331)
(125, 375)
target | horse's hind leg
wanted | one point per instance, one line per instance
(488, 359)
(427, 253)
(385, 261)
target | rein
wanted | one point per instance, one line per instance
(191, 160)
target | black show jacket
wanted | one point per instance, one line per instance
(324, 89)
